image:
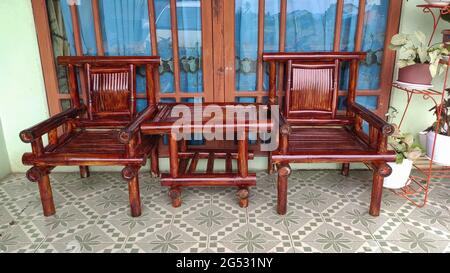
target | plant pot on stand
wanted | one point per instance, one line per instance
(415, 76)
(441, 150)
(400, 175)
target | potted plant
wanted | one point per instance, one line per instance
(418, 62)
(407, 152)
(442, 127)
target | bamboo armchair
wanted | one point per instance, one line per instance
(102, 131)
(312, 130)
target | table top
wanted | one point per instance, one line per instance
(197, 117)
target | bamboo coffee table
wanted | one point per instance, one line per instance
(184, 159)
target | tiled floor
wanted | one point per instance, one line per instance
(327, 213)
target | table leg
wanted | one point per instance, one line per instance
(175, 192)
(243, 192)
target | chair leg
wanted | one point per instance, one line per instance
(284, 171)
(45, 191)
(131, 175)
(41, 176)
(377, 193)
(154, 163)
(84, 172)
(345, 169)
(135, 199)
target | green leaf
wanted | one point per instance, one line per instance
(421, 37)
(408, 139)
(434, 69)
(423, 55)
(399, 159)
(399, 39)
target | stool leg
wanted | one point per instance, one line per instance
(84, 172)
(175, 195)
(154, 162)
(345, 169)
(243, 195)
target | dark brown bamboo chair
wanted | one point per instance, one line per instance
(312, 130)
(103, 132)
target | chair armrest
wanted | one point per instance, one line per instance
(127, 133)
(374, 120)
(35, 132)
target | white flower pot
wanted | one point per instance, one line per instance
(442, 148)
(423, 140)
(400, 175)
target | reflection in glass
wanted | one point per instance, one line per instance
(310, 25)
(125, 27)
(164, 39)
(246, 44)
(373, 41)
(190, 45)
(86, 22)
(125, 30)
(271, 33)
(371, 102)
(60, 43)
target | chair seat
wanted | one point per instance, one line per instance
(95, 148)
(337, 144)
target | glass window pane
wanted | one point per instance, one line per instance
(373, 44)
(60, 43)
(86, 22)
(310, 25)
(271, 33)
(125, 27)
(373, 41)
(371, 102)
(65, 104)
(349, 23)
(245, 100)
(141, 104)
(246, 43)
(190, 45)
(164, 36)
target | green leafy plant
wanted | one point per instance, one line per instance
(403, 144)
(414, 49)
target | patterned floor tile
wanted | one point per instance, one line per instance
(413, 239)
(253, 238)
(208, 219)
(167, 240)
(327, 212)
(89, 235)
(77, 247)
(429, 218)
(331, 237)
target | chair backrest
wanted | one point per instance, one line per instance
(311, 85)
(311, 89)
(111, 91)
(108, 86)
